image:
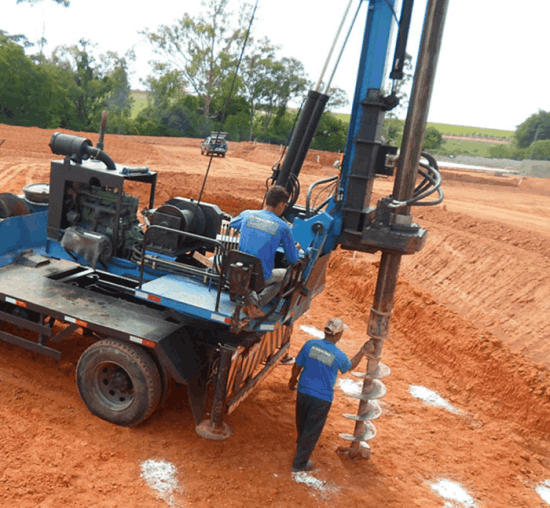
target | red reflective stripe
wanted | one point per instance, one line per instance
(154, 298)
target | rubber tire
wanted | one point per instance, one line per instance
(130, 362)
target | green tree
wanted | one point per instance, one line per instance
(205, 49)
(184, 118)
(290, 82)
(433, 139)
(500, 151)
(277, 132)
(118, 99)
(539, 150)
(30, 95)
(393, 130)
(169, 109)
(165, 87)
(257, 77)
(269, 83)
(96, 84)
(331, 134)
(536, 127)
(338, 99)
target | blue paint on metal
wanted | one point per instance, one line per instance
(21, 233)
(373, 63)
(372, 66)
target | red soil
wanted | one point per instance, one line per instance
(471, 321)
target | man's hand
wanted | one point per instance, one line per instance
(293, 381)
(368, 349)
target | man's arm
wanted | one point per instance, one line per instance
(236, 222)
(364, 351)
(291, 251)
(356, 359)
(293, 381)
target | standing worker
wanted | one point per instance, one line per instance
(318, 362)
(262, 233)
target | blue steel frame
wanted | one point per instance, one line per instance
(372, 66)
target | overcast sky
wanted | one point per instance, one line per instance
(490, 73)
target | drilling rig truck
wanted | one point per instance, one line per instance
(74, 256)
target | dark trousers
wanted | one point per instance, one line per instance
(311, 415)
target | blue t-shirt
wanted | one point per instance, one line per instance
(321, 360)
(262, 232)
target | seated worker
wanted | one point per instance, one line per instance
(262, 232)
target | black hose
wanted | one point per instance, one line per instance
(310, 192)
(431, 183)
(100, 155)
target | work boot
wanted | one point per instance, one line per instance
(253, 312)
(310, 466)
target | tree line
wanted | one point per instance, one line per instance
(197, 84)
(194, 87)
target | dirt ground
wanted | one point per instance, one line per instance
(471, 323)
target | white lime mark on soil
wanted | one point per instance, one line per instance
(311, 330)
(350, 387)
(543, 491)
(432, 398)
(160, 475)
(314, 483)
(453, 492)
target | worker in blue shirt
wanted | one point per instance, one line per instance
(317, 364)
(262, 232)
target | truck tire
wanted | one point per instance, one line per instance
(119, 382)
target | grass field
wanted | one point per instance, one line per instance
(140, 101)
(455, 130)
(477, 148)
(461, 130)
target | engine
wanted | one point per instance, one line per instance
(91, 215)
(93, 209)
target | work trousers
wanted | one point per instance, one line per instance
(311, 415)
(272, 288)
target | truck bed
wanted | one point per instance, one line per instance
(29, 285)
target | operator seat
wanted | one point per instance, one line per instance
(245, 273)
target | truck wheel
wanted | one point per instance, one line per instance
(119, 382)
